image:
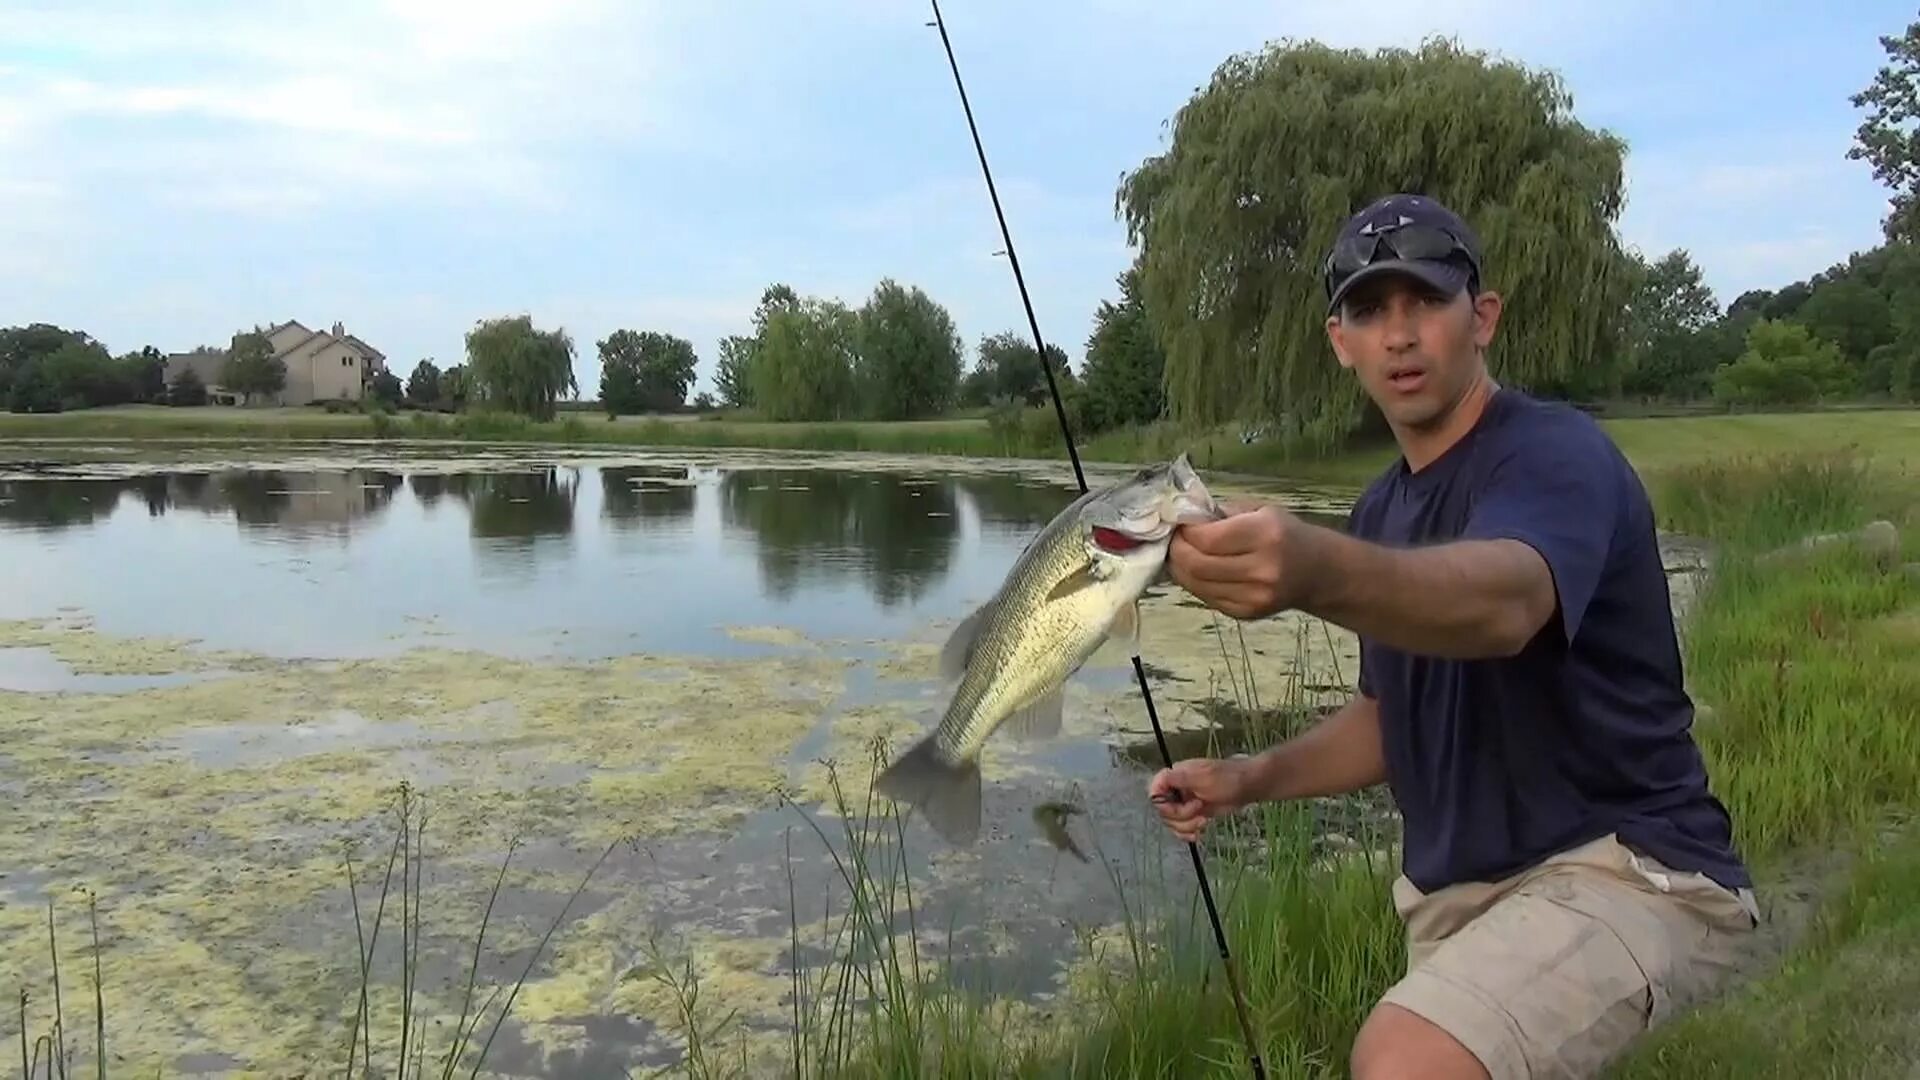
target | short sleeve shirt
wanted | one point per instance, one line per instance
(1498, 763)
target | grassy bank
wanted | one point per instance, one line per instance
(1805, 664)
(1654, 444)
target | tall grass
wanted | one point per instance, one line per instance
(51, 1055)
(1813, 732)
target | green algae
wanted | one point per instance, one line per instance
(211, 816)
(87, 651)
(219, 871)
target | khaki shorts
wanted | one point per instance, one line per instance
(1554, 971)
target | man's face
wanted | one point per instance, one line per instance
(1416, 351)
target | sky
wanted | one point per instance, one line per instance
(172, 172)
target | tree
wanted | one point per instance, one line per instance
(1235, 218)
(423, 386)
(732, 375)
(803, 366)
(144, 374)
(645, 371)
(1888, 138)
(1784, 365)
(83, 375)
(1666, 313)
(908, 360)
(187, 389)
(385, 388)
(774, 299)
(20, 346)
(1851, 315)
(513, 367)
(1010, 370)
(250, 367)
(1121, 377)
(453, 386)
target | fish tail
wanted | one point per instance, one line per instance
(946, 791)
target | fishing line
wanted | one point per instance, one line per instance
(1079, 475)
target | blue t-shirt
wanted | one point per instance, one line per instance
(1498, 763)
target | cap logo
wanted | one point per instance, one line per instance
(1370, 228)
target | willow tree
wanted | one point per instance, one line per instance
(514, 367)
(1234, 220)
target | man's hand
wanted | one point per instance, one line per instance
(1241, 565)
(1197, 790)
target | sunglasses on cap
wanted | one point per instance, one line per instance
(1424, 243)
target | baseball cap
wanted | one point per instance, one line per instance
(1402, 234)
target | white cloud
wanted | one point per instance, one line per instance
(331, 102)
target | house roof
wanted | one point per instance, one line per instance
(206, 365)
(298, 345)
(371, 352)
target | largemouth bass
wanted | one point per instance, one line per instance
(1077, 584)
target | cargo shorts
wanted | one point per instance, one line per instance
(1555, 971)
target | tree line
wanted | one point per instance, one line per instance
(1220, 316)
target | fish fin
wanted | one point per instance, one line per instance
(1082, 577)
(1126, 628)
(947, 792)
(1038, 720)
(959, 647)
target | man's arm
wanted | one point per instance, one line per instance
(1468, 599)
(1534, 544)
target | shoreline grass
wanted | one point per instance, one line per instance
(1653, 444)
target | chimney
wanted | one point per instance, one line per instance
(338, 330)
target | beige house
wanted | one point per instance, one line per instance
(322, 365)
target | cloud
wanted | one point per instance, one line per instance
(330, 103)
(1753, 213)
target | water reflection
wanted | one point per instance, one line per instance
(1013, 503)
(519, 519)
(321, 501)
(521, 549)
(813, 527)
(637, 496)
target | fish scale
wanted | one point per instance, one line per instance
(1036, 645)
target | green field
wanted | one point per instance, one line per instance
(1653, 444)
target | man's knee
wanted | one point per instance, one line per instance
(1396, 1042)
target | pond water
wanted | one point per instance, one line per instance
(218, 662)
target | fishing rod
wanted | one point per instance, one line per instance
(1080, 476)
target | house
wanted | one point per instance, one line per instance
(206, 364)
(322, 365)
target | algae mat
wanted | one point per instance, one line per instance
(211, 819)
(214, 820)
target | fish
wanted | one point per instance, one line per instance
(1075, 586)
(1052, 819)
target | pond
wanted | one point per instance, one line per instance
(219, 663)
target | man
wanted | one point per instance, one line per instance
(1568, 880)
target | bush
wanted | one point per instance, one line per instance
(1784, 365)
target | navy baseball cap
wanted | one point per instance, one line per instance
(1402, 234)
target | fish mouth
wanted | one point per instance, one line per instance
(1175, 496)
